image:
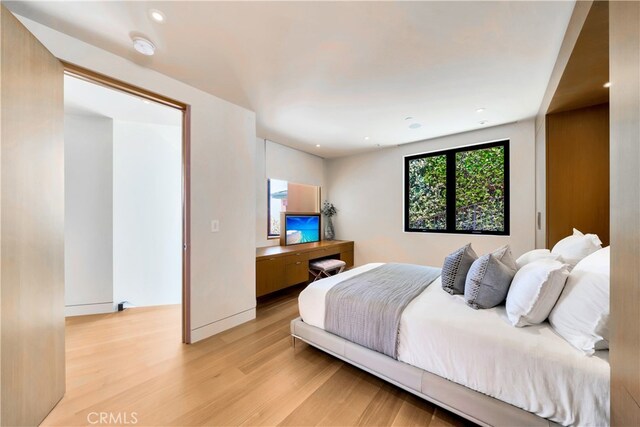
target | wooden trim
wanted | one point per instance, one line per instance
(186, 223)
(111, 83)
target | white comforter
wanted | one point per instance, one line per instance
(532, 368)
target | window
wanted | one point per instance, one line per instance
(284, 196)
(463, 190)
(277, 190)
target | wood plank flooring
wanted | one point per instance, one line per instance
(130, 368)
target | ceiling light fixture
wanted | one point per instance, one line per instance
(480, 110)
(366, 138)
(144, 46)
(318, 145)
(607, 85)
(415, 126)
(156, 15)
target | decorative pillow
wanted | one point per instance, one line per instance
(581, 315)
(534, 291)
(488, 280)
(455, 268)
(536, 255)
(504, 254)
(576, 247)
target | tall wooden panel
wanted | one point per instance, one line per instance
(624, 38)
(578, 173)
(32, 227)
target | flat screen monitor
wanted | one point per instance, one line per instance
(301, 228)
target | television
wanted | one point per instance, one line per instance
(297, 228)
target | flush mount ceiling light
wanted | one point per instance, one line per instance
(415, 125)
(156, 15)
(607, 84)
(480, 110)
(144, 46)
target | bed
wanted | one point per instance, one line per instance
(472, 362)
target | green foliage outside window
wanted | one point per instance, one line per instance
(428, 193)
(478, 189)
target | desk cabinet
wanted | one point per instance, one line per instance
(269, 275)
(278, 267)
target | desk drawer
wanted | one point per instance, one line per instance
(297, 272)
(296, 257)
(323, 252)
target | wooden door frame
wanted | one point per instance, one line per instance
(111, 83)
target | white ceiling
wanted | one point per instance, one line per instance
(333, 73)
(84, 98)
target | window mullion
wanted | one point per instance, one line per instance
(451, 192)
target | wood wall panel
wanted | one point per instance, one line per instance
(588, 67)
(578, 173)
(624, 39)
(32, 227)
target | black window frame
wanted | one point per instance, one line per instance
(451, 189)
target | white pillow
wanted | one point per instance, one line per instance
(536, 255)
(581, 315)
(535, 290)
(576, 247)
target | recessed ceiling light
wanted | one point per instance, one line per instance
(484, 122)
(144, 46)
(480, 110)
(366, 138)
(156, 15)
(415, 125)
(318, 145)
(607, 84)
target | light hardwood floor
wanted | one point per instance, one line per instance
(132, 365)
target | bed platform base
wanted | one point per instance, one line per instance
(472, 405)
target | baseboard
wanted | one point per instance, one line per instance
(85, 309)
(213, 328)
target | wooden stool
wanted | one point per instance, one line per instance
(326, 268)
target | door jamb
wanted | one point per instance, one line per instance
(111, 83)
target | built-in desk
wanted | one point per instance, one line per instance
(278, 267)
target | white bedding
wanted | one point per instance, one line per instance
(532, 368)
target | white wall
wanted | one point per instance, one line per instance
(147, 213)
(368, 191)
(223, 185)
(88, 233)
(275, 161)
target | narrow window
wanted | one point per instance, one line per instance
(277, 197)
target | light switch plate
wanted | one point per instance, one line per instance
(215, 225)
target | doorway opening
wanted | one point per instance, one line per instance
(126, 197)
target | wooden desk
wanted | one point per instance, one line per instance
(278, 267)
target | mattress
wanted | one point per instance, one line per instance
(532, 368)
